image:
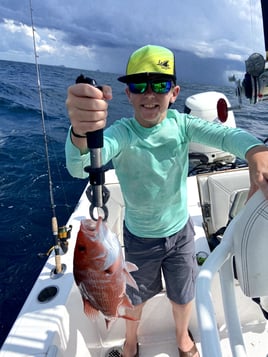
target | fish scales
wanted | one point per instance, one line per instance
(101, 272)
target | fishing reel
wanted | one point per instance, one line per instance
(255, 83)
(64, 233)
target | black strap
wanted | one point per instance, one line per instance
(77, 135)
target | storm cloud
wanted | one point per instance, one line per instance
(101, 34)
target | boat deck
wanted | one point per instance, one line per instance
(58, 327)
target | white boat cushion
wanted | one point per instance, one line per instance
(217, 192)
(251, 246)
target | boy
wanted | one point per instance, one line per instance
(150, 156)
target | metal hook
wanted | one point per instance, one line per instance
(104, 214)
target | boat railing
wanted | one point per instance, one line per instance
(219, 261)
(250, 225)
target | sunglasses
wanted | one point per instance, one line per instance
(159, 87)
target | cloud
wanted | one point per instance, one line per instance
(18, 34)
(101, 35)
(50, 46)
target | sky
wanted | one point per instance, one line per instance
(101, 34)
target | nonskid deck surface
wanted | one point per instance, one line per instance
(157, 332)
(256, 345)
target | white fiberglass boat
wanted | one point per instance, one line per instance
(226, 321)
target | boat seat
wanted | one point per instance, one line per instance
(222, 194)
(222, 197)
(251, 246)
(245, 238)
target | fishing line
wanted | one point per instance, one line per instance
(63, 233)
(52, 149)
(42, 116)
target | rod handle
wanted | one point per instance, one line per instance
(95, 139)
(54, 224)
(58, 267)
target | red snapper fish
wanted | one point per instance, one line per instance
(101, 272)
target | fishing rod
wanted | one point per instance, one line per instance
(60, 234)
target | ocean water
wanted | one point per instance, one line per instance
(25, 218)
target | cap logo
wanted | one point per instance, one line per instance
(164, 64)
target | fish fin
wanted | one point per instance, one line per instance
(89, 310)
(128, 318)
(131, 266)
(130, 280)
(126, 302)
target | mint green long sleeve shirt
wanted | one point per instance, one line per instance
(152, 166)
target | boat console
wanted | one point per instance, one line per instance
(204, 105)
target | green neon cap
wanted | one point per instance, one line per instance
(149, 61)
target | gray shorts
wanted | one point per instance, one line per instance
(173, 256)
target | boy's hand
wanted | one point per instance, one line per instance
(87, 107)
(257, 158)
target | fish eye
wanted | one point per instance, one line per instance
(108, 271)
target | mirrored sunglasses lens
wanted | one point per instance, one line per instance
(137, 88)
(161, 87)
